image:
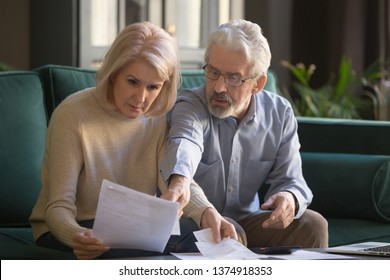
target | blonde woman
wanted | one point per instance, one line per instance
(114, 131)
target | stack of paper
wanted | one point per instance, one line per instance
(126, 218)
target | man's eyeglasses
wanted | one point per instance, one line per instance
(234, 80)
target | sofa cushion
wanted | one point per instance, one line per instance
(23, 129)
(18, 243)
(349, 185)
(61, 81)
(347, 231)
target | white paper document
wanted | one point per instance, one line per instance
(232, 249)
(309, 255)
(126, 218)
(226, 249)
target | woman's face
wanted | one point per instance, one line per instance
(135, 87)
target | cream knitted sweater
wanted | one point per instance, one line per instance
(88, 141)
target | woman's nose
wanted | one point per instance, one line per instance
(141, 95)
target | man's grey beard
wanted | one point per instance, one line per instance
(219, 111)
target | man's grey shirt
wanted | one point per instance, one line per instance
(231, 160)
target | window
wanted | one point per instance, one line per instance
(189, 22)
(98, 28)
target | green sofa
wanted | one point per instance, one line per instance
(346, 162)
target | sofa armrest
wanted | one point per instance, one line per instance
(349, 185)
(23, 125)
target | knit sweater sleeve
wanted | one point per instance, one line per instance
(197, 205)
(61, 168)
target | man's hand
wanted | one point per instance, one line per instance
(178, 191)
(85, 246)
(220, 227)
(283, 204)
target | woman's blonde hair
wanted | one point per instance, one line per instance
(152, 44)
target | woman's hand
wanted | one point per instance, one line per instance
(85, 246)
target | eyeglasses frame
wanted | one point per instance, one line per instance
(224, 77)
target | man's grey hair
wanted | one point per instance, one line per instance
(245, 37)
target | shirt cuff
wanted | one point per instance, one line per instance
(296, 203)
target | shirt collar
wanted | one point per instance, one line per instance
(251, 114)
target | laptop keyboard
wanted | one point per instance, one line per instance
(381, 249)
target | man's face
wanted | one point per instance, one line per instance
(225, 100)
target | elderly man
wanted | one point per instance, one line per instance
(231, 137)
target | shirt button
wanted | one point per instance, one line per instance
(230, 189)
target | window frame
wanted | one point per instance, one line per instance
(190, 58)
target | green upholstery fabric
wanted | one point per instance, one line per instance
(18, 243)
(18, 251)
(344, 136)
(356, 185)
(346, 231)
(61, 81)
(191, 78)
(22, 235)
(272, 82)
(23, 130)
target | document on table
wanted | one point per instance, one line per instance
(226, 249)
(126, 218)
(232, 249)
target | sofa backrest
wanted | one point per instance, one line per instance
(23, 123)
(191, 78)
(344, 136)
(61, 81)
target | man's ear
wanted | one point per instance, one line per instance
(260, 83)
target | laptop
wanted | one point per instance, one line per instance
(381, 249)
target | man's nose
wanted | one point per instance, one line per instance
(220, 84)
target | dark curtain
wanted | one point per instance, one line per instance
(385, 32)
(323, 31)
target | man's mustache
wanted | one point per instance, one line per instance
(222, 96)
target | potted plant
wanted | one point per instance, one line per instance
(5, 67)
(335, 99)
(376, 82)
